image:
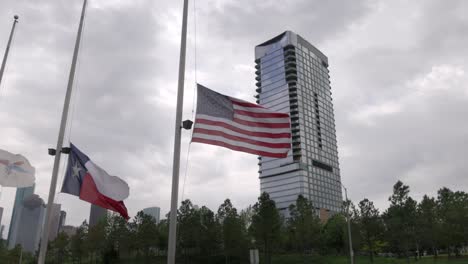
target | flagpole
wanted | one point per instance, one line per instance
(66, 104)
(7, 50)
(171, 254)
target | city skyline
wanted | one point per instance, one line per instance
(392, 82)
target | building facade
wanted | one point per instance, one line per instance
(54, 221)
(154, 212)
(63, 216)
(30, 222)
(293, 77)
(96, 214)
(21, 195)
(1, 215)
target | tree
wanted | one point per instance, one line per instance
(266, 225)
(233, 231)
(370, 226)
(428, 224)
(96, 239)
(400, 220)
(59, 248)
(146, 233)
(304, 225)
(77, 242)
(119, 238)
(189, 232)
(211, 233)
(334, 235)
(453, 212)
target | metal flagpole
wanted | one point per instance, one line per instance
(2, 69)
(171, 253)
(53, 183)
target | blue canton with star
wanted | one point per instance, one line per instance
(75, 172)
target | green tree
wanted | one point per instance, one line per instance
(78, 243)
(211, 233)
(400, 220)
(453, 212)
(96, 240)
(334, 235)
(304, 225)
(266, 225)
(428, 224)
(189, 229)
(119, 238)
(233, 232)
(59, 249)
(370, 226)
(146, 234)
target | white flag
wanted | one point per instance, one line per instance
(15, 170)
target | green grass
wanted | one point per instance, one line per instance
(297, 259)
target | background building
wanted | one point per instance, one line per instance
(69, 230)
(1, 214)
(96, 213)
(292, 77)
(21, 194)
(29, 227)
(54, 221)
(154, 212)
(63, 216)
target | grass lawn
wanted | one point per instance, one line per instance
(296, 259)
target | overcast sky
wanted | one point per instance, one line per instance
(399, 76)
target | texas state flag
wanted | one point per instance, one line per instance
(92, 184)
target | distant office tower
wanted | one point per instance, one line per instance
(292, 77)
(97, 213)
(30, 222)
(21, 194)
(63, 216)
(1, 226)
(54, 221)
(154, 212)
(69, 230)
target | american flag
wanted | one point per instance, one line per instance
(239, 125)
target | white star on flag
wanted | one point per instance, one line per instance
(76, 170)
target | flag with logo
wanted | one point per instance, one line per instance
(15, 170)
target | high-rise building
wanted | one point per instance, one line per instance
(30, 222)
(63, 216)
(54, 221)
(21, 194)
(154, 212)
(293, 77)
(96, 214)
(1, 214)
(69, 230)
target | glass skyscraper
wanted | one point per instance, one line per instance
(96, 214)
(293, 77)
(21, 195)
(153, 211)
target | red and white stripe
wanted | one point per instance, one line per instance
(254, 129)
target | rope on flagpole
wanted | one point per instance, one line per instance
(187, 164)
(75, 98)
(195, 55)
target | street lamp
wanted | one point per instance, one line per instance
(348, 219)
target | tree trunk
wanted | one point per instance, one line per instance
(371, 250)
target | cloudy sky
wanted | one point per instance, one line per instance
(399, 76)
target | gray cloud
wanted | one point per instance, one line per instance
(398, 76)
